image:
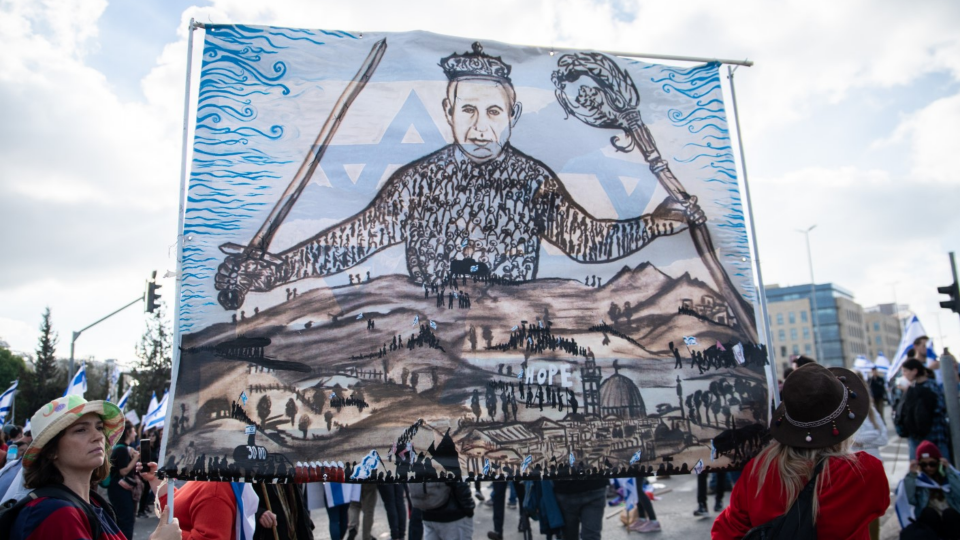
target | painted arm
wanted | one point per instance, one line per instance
(331, 251)
(587, 239)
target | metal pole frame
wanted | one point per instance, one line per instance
(813, 300)
(948, 369)
(76, 334)
(175, 367)
(761, 292)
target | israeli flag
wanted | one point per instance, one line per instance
(910, 334)
(360, 316)
(416, 320)
(636, 456)
(153, 405)
(366, 468)
(474, 268)
(243, 397)
(520, 375)
(464, 243)
(514, 329)
(6, 401)
(78, 385)
(698, 468)
(526, 463)
(123, 400)
(689, 341)
(882, 363)
(572, 459)
(156, 417)
(630, 493)
(247, 503)
(486, 467)
(433, 325)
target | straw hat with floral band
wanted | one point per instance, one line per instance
(60, 413)
(820, 407)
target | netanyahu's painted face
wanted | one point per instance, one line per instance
(481, 113)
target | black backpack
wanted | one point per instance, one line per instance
(797, 523)
(11, 509)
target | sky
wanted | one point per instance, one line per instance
(848, 119)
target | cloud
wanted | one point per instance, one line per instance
(91, 180)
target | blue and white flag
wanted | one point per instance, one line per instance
(636, 456)
(526, 463)
(433, 325)
(78, 385)
(360, 316)
(910, 334)
(247, 503)
(882, 363)
(572, 459)
(416, 320)
(123, 400)
(689, 341)
(486, 467)
(6, 401)
(243, 397)
(367, 468)
(698, 468)
(156, 417)
(630, 493)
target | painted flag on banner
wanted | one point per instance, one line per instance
(78, 385)
(360, 316)
(6, 401)
(910, 334)
(636, 456)
(689, 341)
(514, 329)
(486, 467)
(698, 468)
(572, 459)
(738, 353)
(243, 397)
(526, 463)
(720, 346)
(416, 320)
(123, 399)
(433, 325)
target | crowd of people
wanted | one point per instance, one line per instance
(77, 472)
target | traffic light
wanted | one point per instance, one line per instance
(151, 296)
(953, 304)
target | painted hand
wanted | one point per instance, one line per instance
(239, 274)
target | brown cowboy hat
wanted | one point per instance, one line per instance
(820, 407)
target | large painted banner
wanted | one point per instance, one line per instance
(410, 256)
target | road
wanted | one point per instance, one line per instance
(677, 501)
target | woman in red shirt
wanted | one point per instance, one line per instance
(821, 410)
(64, 462)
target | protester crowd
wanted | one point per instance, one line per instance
(76, 471)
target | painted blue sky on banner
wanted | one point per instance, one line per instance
(265, 92)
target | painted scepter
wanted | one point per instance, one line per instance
(613, 104)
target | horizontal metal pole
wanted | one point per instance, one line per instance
(698, 59)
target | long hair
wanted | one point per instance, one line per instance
(796, 465)
(43, 471)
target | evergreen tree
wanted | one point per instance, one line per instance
(48, 382)
(12, 368)
(154, 353)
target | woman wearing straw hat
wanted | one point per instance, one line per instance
(821, 409)
(67, 457)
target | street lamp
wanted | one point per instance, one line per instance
(813, 295)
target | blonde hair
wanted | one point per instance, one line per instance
(796, 465)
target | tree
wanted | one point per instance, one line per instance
(627, 310)
(488, 336)
(319, 399)
(12, 368)
(304, 424)
(328, 416)
(155, 359)
(475, 404)
(614, 311)
(292, 411)
(48, 381)
(414, 379)
(263, 409)
(472, 338)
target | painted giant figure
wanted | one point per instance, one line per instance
(490, 355)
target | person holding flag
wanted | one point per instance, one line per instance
(7, 402)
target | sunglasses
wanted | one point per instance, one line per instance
(931, 464)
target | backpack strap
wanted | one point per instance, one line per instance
(59, 491)
(798, 521)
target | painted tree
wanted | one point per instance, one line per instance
(319, 399)
(328, 416)
(292, 411)
(487, 336)
(614, 312)
(472, 337)
(304, 424)
(475, 404)
(263, 409)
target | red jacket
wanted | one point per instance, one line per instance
(855, 494)
(206, 510)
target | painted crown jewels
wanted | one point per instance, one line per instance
(475, 64)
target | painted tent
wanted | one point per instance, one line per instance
(409, 256)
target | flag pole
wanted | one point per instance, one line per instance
(175, 367)
(764, 327)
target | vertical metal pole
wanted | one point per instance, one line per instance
(813, 299)
(948, 370)
(761, 292)
(175, 368)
